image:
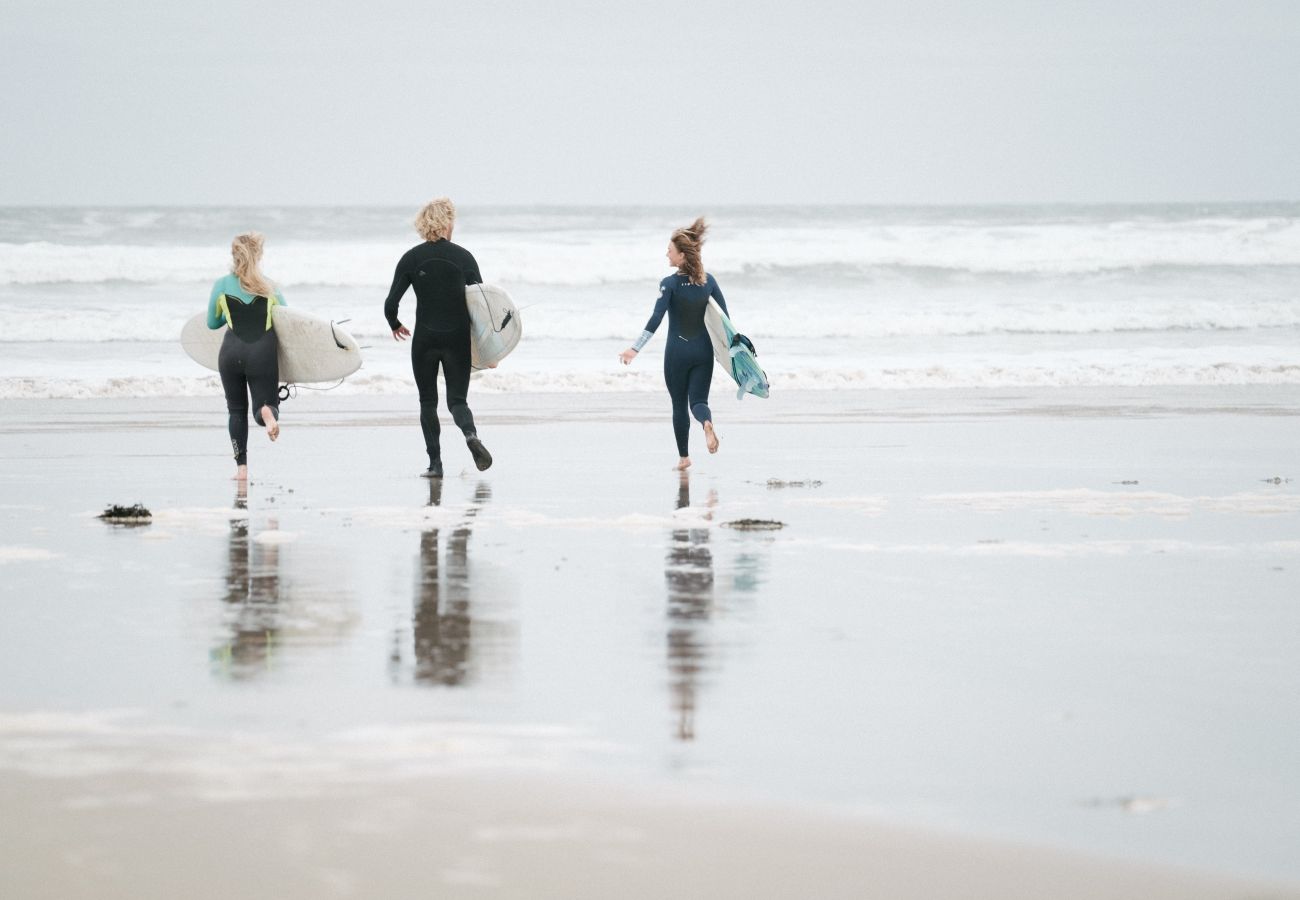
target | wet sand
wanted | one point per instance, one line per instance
(1003, 644)
(469, 836)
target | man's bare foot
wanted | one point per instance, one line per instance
(683, 464)
(710, 439)
(241, 473)
(272, 423)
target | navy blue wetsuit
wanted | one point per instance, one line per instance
(439, 271)
(688, 358)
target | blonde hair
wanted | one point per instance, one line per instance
(435, 220)
(246, 254)
(688, 242)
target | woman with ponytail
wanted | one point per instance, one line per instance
(249, 361)
(688, 358)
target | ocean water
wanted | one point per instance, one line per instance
(92, 300)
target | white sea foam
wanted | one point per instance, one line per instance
(92, 303)
(1075, 549)
(807, 379)
(871, 506)
(768, 317)
(522, 518)
(783, 245)
(1089, 502)
(209, 520)
(25, 554)
(404, 517)
(51, 744)
(275, 536)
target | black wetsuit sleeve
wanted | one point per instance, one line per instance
(401, 281)
(716, 294)
(470, 265)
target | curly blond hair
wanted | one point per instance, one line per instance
(434, 222)
(246, 263)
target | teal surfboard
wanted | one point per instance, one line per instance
(734, 355)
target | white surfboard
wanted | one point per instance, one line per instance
(494, 325)
(736, 359)
(311, 349)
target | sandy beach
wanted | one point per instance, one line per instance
(1002, 644)
(994, 598)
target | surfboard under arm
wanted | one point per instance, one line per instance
(737, 359)
(312, 350)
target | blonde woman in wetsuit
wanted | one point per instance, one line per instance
(249, 362)
(688, 358)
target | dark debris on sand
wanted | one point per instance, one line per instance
(754, 525)
(127, 515)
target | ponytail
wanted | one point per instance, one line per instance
(688, 242)
(246, 256)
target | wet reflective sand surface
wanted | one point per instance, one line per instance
(1065, 626)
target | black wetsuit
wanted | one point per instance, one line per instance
(688, 358)
(439, 271)
(249, 360)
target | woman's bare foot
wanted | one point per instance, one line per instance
(241, 473)
(272, 423)
(710, 439)
(683, 464)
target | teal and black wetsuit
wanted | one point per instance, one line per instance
(439, 271)
(249, 361)
(688, 358)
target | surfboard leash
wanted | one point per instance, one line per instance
(289, 389)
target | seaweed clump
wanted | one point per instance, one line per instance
(127, 515)
(754, 525)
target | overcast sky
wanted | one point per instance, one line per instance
(394, 101)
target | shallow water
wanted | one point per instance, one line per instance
(833, 297)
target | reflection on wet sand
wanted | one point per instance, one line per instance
(253, 596)
(267, 611)
(441, 622)
(688, 570)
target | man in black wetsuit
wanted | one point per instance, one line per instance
(439, 271)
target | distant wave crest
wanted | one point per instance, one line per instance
(853, 250)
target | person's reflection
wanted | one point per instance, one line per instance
(441, 621)
(253, 597)
(689, 572)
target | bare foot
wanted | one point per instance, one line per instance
(683, 464)
(272, 423)
(241, 473)
(710, 439)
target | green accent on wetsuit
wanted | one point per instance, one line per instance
(228, 286)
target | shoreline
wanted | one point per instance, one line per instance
(820, 405)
